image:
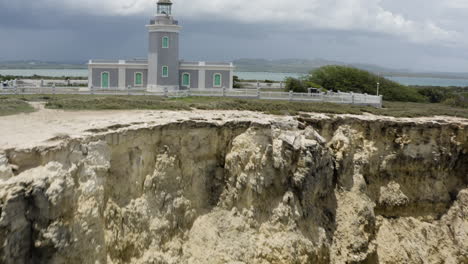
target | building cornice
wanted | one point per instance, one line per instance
(120, 64)
(182, 66)
(203, 66)
(164, 28)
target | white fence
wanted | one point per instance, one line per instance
(340, 98)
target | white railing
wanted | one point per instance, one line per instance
(340, 98)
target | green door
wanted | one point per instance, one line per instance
(105, 80)
(186, 80)
(217, 80)
(138, 79)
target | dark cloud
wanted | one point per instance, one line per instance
(46, 33)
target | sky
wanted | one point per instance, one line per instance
(420, 35)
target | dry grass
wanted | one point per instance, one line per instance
(15, 104)
(11, 106)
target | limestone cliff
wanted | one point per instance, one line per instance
(311, 190)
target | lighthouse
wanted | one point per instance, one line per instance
(162, 69)
(163, 49)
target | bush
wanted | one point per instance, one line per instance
(348, 79)
(7, 78)
(311, 84)
(459, 100)
(236, 82)
(295, 85)
(435, 94)
(300, 85)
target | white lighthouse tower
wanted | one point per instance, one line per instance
(163, 55)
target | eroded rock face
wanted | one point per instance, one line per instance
(335, 190)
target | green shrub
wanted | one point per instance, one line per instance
(435, 94)
(295, 85)
(348, 79)
(236, 82)
(311, 84)
(458, 100)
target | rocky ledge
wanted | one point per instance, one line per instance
(311, 189)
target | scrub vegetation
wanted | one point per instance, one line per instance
(110, 102)
(348, 79)
(38, 77)
(11, 106)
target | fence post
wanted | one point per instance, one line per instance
(42, 83)
(290, 95)
(165, 91)
(381, 101)
(128, 90)
(188, 91)
(365, 98)
(281, 85)
(224, 91)
(258, 93)
(258, 84)
(92, 90)
(352, 97)
(15, 87)
(53, 88)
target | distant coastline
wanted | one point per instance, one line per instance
(261, 76)
(240, 69)
(292, 67)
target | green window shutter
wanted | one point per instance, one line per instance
(105, 80)
(138, 79)
(186, 79)
(165, 42)
(217, 80)
(165, 71)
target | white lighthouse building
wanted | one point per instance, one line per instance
(162, 69)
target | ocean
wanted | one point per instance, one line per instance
(242, 75)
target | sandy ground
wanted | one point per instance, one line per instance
(38, 128)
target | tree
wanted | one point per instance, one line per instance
(236, 82)
(295, 85)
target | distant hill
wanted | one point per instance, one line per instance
(305, 66)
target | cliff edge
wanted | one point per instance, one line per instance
(239, 187)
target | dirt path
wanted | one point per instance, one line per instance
(38, 128)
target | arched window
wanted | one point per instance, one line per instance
(186, 79)
(138, 79)
(165, 71)
(217, 80)
(104, 79)
(165, 42)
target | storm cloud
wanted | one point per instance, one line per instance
(423, 35)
